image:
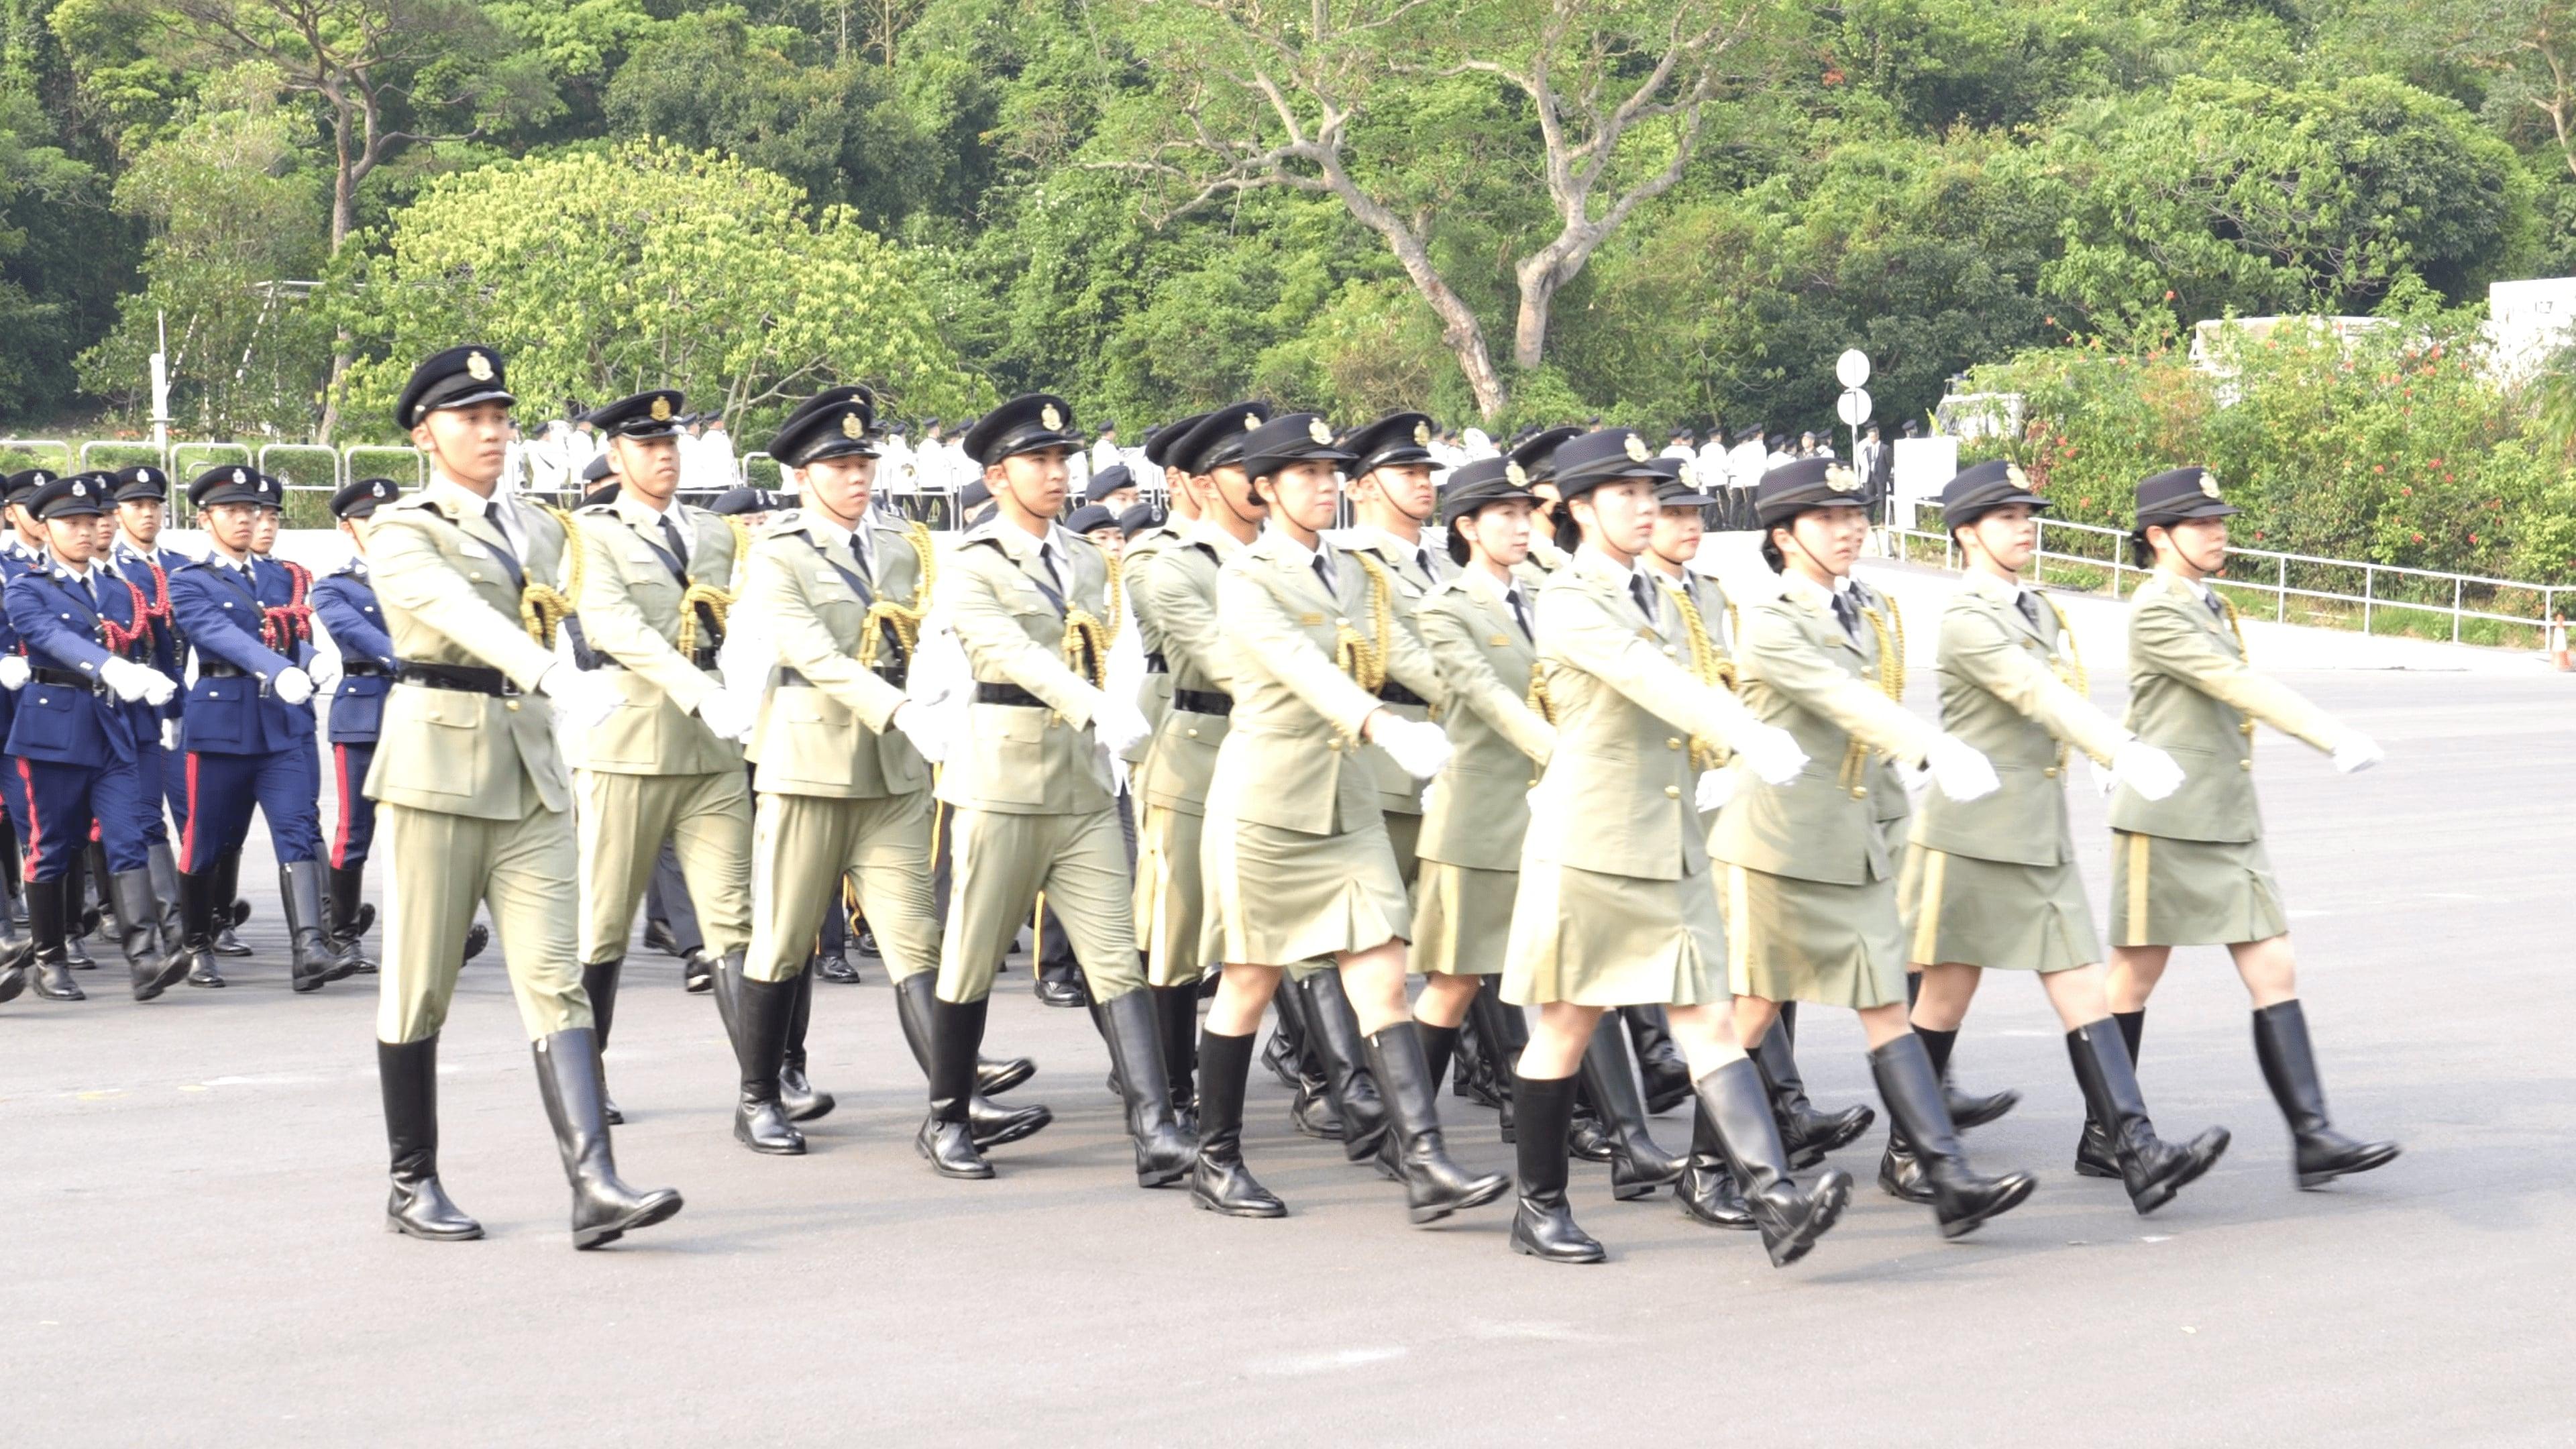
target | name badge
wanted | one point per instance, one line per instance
(471, 549)
(1310, 620)
(642, 556)
(1498, 641)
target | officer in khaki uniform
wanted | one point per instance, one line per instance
(1617, 904)
(473, 805)
(1992, 882)
(841, 759)
(2190, 869)
(1391, 499)
(1810, 890)
(655, 587)
(1551, 528)
(1176, 588)
(1034, 607)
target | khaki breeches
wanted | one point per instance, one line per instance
(443, 866)
(802, 846)
(1003, 862)
(1170, 901)
(622, 822)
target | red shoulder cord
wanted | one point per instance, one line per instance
(285, 625)
(134, 643)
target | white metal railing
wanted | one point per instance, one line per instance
(2381, 588)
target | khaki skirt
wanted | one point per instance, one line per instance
(2167, 892)
(1170, 900)
(1278, 896)
(1462, 919)
(1613, 940)
(1998, 914)
(1805, 940)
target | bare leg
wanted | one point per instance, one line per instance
(2081, 996)
(1706, 1035)
(2269, 969)
(1947, 990)
(2135, 970)
(1753, 1018)
(1557, 1040)
(1241, 998)
(1374, 981)
(1444, 999)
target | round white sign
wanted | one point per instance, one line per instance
(1852, 368)
(1853, 407)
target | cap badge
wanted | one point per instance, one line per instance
(79, 489)
(1842, 479)
(661, 410)
(1050, 419)
(1316, 430)
(1516, 475)
(2209, 483)
(1422, 435)
(478, 367)
(850, 426)
(2015, 476)
(1637, 449)
(381, 491)
(238, 477)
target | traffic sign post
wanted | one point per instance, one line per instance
(1852, 370)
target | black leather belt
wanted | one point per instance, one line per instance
(463, 678)
(1006, 694)
(703, 659)
(1202, 701)
(1157, 664)
(1394, 693)
(219, 669)
(362, 671)
(67, 678)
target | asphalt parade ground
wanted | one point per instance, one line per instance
(194, 1191)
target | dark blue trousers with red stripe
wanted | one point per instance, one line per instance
(357, 827)
(222, 789)
(150, 768)
(56, 808)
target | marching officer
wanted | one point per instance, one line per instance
(1033, 607)
(654, 585)
(24, 547)
(142, 512)
(249, 731)
(473, 800)
(1552, 531)
(1810, 889)
(1992, 883)
(346, 604)
(1391, 500)
(87, 649)
(2190, 869)
(841, 765)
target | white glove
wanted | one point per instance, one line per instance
(582, 699)
(2146, 769)
(292, 685)
(2358, 753)
(1420, 747)
(919, 723)
(1715, 788)
(158, 687)
(123, 676)
(13, 671)
(1961, 770)
(1770, 752)
(169, 734)
(929, 693)
(1119, 726)
(728, 714)
(1430, 792)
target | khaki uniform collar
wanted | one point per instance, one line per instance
(1200, 531)
(646, 518)
(1986, 586)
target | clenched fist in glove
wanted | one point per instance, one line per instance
(1420, 747)
(1961, 770)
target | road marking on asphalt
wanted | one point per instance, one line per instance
(1300, 1365)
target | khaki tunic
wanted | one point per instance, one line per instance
(1810, 886)
(474, 804)
(1473, 827)
(1178, 586)
(1295, 850)
(1154, 695)
(652, 771)
(1415, 569)
(841, 793)
(1992, 882)
(1034, 808)
(2190, 869)
(1616, 906)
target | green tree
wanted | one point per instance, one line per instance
(603, 273)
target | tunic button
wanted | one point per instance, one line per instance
(511, 705)
(2050, 771)
(1533, 784)
(1672, 744)
(1672, 792)
(2245, 764)
(1341, 623)
(1860, 792)
(1194, 734)
(1332, 744)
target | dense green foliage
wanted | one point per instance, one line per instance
(1155, 206)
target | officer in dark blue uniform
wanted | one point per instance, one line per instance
(72, 741)
(22, 546)
(249, 730)
(345, 602)
(142, 511)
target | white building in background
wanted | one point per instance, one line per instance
(2526, 322)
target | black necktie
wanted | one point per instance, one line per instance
(2217, 610)
(2029, 603)
(1644, 594)
(859, 555)
(1422, 561)
(1046, 555)
(671, 535)
(1324, 571)
(1847, 613)
(1520, 613)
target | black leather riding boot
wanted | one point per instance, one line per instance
(350, 915)
(988, 1122)
(946, 1139)
(1219, 1182)
(2151, 1168)
(1708, 1191)
(1334, 1032)
(1176, 1021)
(1966, 1109)
(2094, 1155)
(762, 1012)
(1809, 1133)
(197, 907)
(1962, 1200)
(81, 913)
(1311, 1110)
(604, 1208)
(1163, 1152)
(418, 1206)
(299, 885)
(1502, 1032)
(1791, 1218)
(164, 868)
(1542, 1225)
(230, 909)
(1434, 1186)
(1665, 1076)
(1637, 1165)
(138, 920)
(599, 981)
(45, 912)
(1287, 1045)
(2290, 1069)
(795, 1093)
